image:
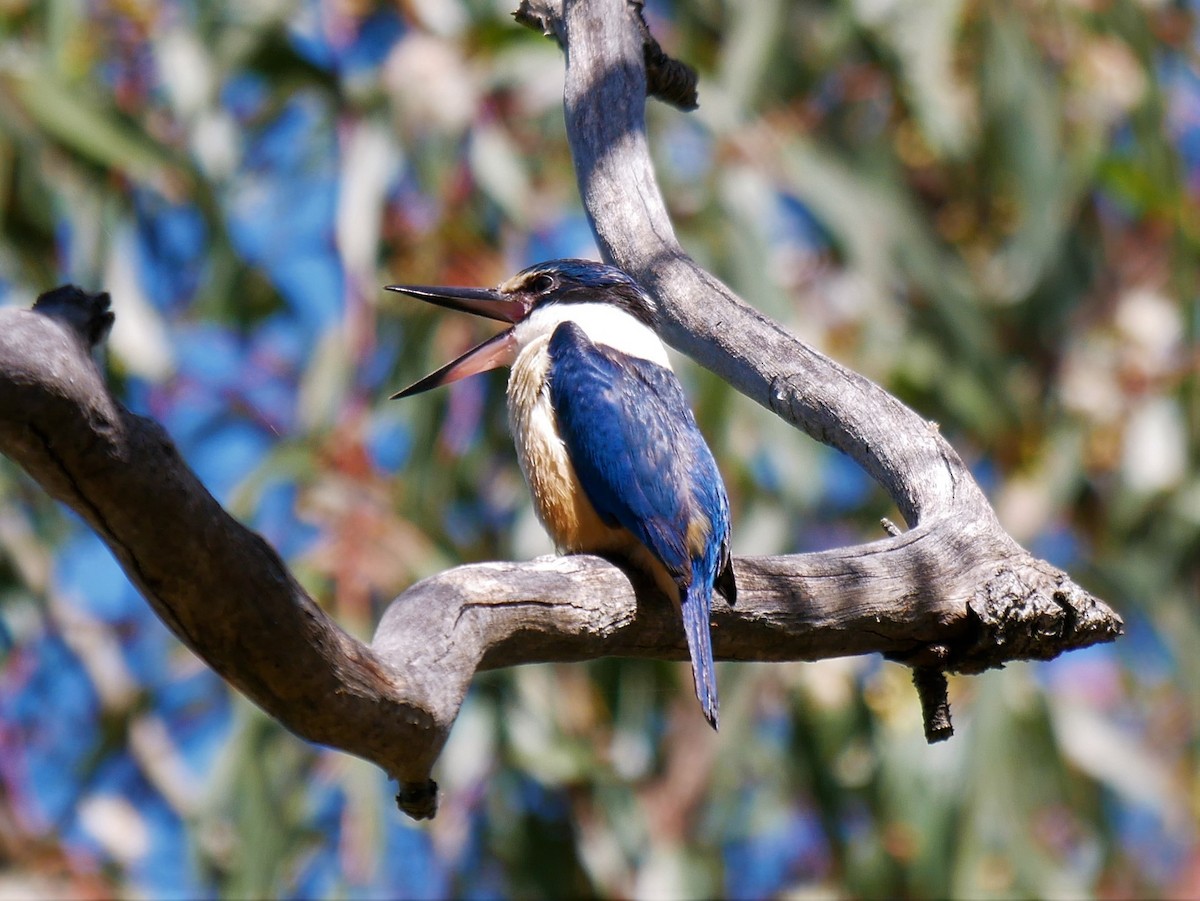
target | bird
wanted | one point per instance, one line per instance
(608, 445)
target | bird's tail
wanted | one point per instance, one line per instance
(696, 607)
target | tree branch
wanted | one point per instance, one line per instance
(955, 593)
(670, 80)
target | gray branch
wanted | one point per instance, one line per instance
(954, 593)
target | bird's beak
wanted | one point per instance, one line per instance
(499, 350)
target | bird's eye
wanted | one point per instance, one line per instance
(540, 284)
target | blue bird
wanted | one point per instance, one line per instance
(605, 438)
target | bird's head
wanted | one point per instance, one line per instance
(548, 287)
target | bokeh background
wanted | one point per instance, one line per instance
(988, 207)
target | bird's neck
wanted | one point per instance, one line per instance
(602, 323)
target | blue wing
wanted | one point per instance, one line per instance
(637, 451)
(643, 464)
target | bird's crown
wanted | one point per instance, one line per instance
(581, 281)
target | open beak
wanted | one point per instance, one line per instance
(499, 350)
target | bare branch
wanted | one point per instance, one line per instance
(935, 702)
(701, 317)
(217, 585)
(953, 593)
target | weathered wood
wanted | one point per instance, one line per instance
(953, 593)
(218, 586)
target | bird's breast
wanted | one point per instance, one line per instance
(558, 498)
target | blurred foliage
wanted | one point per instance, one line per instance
(990, 208)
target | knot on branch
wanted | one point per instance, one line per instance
(418, 799)
(1031, 611)
(87, 314)
(670, 80)
(543, 16)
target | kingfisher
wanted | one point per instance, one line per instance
(606, 440)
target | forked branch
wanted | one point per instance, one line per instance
(954, 593)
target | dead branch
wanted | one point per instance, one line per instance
(954, 593)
